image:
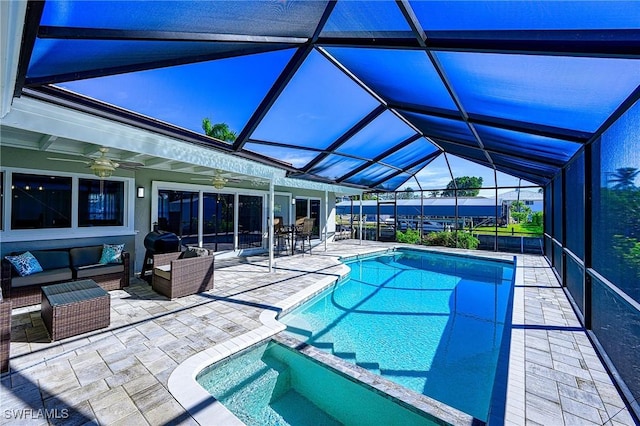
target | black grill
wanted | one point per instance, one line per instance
(161, 242)
(157, 242)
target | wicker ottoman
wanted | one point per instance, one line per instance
(73, 308)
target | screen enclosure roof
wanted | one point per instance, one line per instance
(359, 93)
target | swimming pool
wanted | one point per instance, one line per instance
(273, 384)
(431, 322)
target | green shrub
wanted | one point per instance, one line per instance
(410, 236)
(455, 239)
(537, 218)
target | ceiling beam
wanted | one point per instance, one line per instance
(46, 141)
(560, 133)
(175, 166)
(421, 36)
(529, 156)
(79, 33)
(593, 43)
(153, 162)
(29, 35)
(621, 43)
(100, 71)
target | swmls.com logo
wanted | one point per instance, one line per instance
(30, 413)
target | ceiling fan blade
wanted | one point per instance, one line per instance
(130, 165)
(69, 160)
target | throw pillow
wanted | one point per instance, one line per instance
(111, 253)
(187, 254)
(25, 264)
(194, 252)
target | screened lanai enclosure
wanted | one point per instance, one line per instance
(375, 96)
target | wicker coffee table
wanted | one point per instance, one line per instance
(73, 308)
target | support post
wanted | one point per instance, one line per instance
(270, 223)
(326, 220)
(360, 233)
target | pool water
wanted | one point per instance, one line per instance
(430, 322)
(272, 384)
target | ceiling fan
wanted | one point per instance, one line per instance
(102, 166)
(218, 180)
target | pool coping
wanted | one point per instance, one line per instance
(203, 407)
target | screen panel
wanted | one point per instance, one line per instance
(574, 211)
(335, 166)
(401, 76)
(315, 115)
(575, 282)
(377, 19)
(294, 18)
(526, 15)
(557, 209)
(186, 94)
(616, 204)
(610, 312)
(380, 135)
(575, 93)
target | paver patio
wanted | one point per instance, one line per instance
(119, 375)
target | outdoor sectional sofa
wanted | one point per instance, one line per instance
(63, 265)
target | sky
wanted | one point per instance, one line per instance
(437, 176)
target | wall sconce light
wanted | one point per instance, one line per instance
(140, 192)
(293, 201)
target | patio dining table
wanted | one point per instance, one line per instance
(288, 232)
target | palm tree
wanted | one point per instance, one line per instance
(219, 131)
(624, 178)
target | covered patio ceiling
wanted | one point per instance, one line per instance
(357, 93)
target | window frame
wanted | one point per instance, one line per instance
(74, 231)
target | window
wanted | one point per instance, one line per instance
(100, 203)
(39, 201)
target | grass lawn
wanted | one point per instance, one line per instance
(526, 229)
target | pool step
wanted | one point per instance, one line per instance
(347, 356)
(342, 349)
(299, 333)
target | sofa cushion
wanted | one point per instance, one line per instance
(45, 277)
(98, 269)
(111, 253)
(25, 264)
(163, 271)
(83, 256)
(52, 259)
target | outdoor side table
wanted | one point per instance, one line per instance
(75, 307)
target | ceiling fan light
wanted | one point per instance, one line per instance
(102, 170)
(219, 182)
